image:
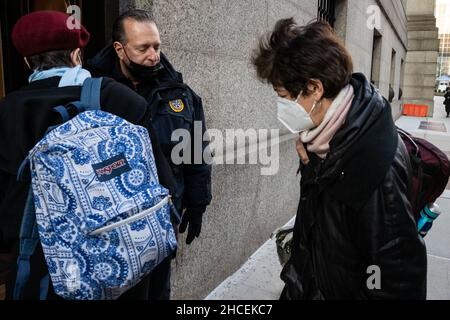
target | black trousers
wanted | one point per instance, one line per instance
(159, 286)
(156, 286)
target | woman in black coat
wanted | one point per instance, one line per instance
(355, 236)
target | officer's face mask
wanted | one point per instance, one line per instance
(294, 116)
(141, 72)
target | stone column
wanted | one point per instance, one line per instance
(423, 48)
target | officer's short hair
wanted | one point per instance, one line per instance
(118, 33)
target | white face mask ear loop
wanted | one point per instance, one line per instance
(80, 58)
(27, 63)
(298, 97)
(313, 107)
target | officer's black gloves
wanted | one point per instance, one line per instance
(192, 216)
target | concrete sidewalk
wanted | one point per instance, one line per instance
(258, 279)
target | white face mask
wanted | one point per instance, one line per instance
(293, 116)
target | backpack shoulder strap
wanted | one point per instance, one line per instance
(90, 94)
(29, 239)
(89, 101)
(407, 137)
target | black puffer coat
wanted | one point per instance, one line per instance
(355, 213)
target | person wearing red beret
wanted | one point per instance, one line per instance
(52, 50)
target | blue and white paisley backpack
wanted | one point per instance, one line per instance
(101, 215)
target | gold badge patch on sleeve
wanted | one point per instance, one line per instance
(177, 105)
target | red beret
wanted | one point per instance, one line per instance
(45, 31)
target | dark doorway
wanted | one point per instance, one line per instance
(97, 16)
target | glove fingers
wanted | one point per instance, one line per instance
(199, 230)
(191, 234)
(183, 225)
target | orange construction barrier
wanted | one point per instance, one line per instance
(415, 110)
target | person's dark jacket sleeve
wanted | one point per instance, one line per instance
(197, 176)
(165, 174)
(388, 239)
(124, 102)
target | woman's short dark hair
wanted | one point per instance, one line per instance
(49, 60)
(292, 55)
(118, 32)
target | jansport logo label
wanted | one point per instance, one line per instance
(111, 168)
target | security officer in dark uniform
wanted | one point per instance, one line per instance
(135, 60)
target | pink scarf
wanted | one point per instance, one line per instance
(318, 140)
